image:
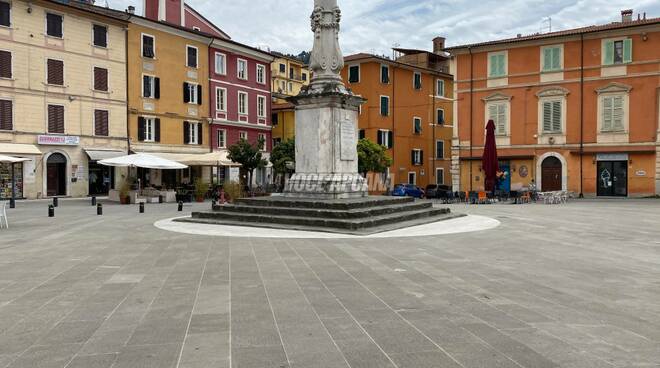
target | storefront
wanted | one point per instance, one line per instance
(612, 174)
(100, 178)
(23, 172)
(6, 172)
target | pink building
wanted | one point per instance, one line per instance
(239, 80)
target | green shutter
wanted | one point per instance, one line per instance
(547, 116)
(501, 119)
(556, 116)
(607, 113)
(617, 113)
(608, 52)
(627, 50)
(547, 59)
(556, 58)
(501, 67)
(493, 65)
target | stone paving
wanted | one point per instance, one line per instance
(554, 286)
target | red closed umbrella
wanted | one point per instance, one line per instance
(489, 159)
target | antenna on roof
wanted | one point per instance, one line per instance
(394, 46)
(546, 25)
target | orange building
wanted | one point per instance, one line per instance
(408, 110)
(575, 110)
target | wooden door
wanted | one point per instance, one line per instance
(551, 175)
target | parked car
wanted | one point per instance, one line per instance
(409, 190)
(437, 191)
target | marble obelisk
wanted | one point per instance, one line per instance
(326, 119)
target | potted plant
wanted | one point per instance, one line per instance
(124, 193)
(200, 190)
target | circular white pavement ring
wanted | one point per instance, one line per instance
(454, 226)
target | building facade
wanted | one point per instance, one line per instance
(408, 110)
(241, 102)
(62, 97)
(575, 110)
(289, 76)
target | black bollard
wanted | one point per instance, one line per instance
(12, 203)
(160, 199)
(180, 206)
(213, 203)
(141, 207)
(93, 201)
(99, 209)
(55, 201)
(51, 211)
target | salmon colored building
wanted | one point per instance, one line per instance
(575, 110)
(408, 110)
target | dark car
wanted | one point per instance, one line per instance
(438, 191)
(431, 191)
(409, 190)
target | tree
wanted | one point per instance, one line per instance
(283, 153)
(372, 157)
(249, 156)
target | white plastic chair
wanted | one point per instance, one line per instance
(3, 216)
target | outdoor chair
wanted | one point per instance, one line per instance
(482, 198)
(525, 197)
(3, 216)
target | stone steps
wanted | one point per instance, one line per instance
(355, 213)
(332, 204)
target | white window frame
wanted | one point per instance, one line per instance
(348, 76)
(195, 28)
(46, 23)
(222, 143)
(418, 156)
(421, 82)
(436, 115)
(193, 131)
(506, 64)
(385, 138)
(542, 102)
(507, 123)
(243, 134)
(414, 173)
(11, 8)
(421, 128)
(261, 78)
(221, 104)
(107, 38)
(265, 138)
(624, 113)
(263, 100)
(194, 97)
(380, 105)
(246, 110)
(196, 57)
(149, 129)
(224, 63)
(153, 86)
(440, 91)
(439, 174)
(142, 45)
(561, 58)
(438, 157)
(389, 79)
(238, 69)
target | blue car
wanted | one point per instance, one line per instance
(410, 190)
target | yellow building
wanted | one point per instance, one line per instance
(62, 97)
(168, 97)
(289, 76)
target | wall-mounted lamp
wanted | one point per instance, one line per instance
(29, 8)
(645, 36)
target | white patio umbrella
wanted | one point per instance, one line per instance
(143, 160)
(12, 160)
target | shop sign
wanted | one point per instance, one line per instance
(612, 157)
(640, 173)
(58, 140)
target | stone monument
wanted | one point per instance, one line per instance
(326, 119)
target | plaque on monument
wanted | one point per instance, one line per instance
(347, 141)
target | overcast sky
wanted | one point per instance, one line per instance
(376, 25)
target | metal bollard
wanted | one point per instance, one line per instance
(141, 207)
(180, 206)
(160, 198)
(12, 203)
(93, 201)
(51, 211)
(55, 201)
(99, 209)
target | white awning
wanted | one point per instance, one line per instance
(218, 158)
(144, 160)
(19, 149)
(12, 159)
(98, 155)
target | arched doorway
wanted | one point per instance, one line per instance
(551, 174)
(56, 175)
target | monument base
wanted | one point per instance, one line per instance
(326, 186)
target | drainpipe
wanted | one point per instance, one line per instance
(128, 113)
(581, 112)
(471, 112)
(210, 120)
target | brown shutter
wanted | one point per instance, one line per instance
(100, 79)
(6, 115)
(141, 128)
(55, 72)
(157, 131)
(101, 122)
(55, 119)
(186, 132)
(200, 132)
(5, 64)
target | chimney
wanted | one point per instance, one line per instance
(170, 11)
(438, 45)
(130, 9)
(626, 15)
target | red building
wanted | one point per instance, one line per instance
(239, 81)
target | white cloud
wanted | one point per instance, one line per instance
(376, 25)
